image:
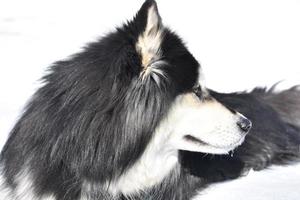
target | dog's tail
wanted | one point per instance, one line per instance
(286, 102)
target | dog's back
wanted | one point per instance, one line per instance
(284, 129)
(286, 103)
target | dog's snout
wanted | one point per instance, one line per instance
(244, 124)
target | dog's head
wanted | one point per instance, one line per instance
(169, 92)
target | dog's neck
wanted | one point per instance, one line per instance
(159, 159)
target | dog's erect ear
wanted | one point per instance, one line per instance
(148, 17)
(153, 19)
(150, 36)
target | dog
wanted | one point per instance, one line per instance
(122, 120)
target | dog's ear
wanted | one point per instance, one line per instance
(150, 37)
(153, 18)
(148, 18)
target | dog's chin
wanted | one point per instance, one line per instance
(212, 148)
(217, 150)
(222, 149)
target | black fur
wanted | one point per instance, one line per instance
(94, 116)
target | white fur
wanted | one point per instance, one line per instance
(23, 191)
(159, 158)
(5, 193)
(208, 121)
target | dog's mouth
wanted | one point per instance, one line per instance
(225, 148)
(195, 140)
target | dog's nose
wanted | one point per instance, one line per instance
(244, 124)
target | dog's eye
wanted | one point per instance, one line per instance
(198, 91)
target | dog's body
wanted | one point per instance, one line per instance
(117, 120)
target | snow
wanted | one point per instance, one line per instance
(240, 44)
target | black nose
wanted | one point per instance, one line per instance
(244, 124)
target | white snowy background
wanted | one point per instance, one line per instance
(240, 44)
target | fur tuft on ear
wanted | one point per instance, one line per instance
(153, 19)
(149, 41)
